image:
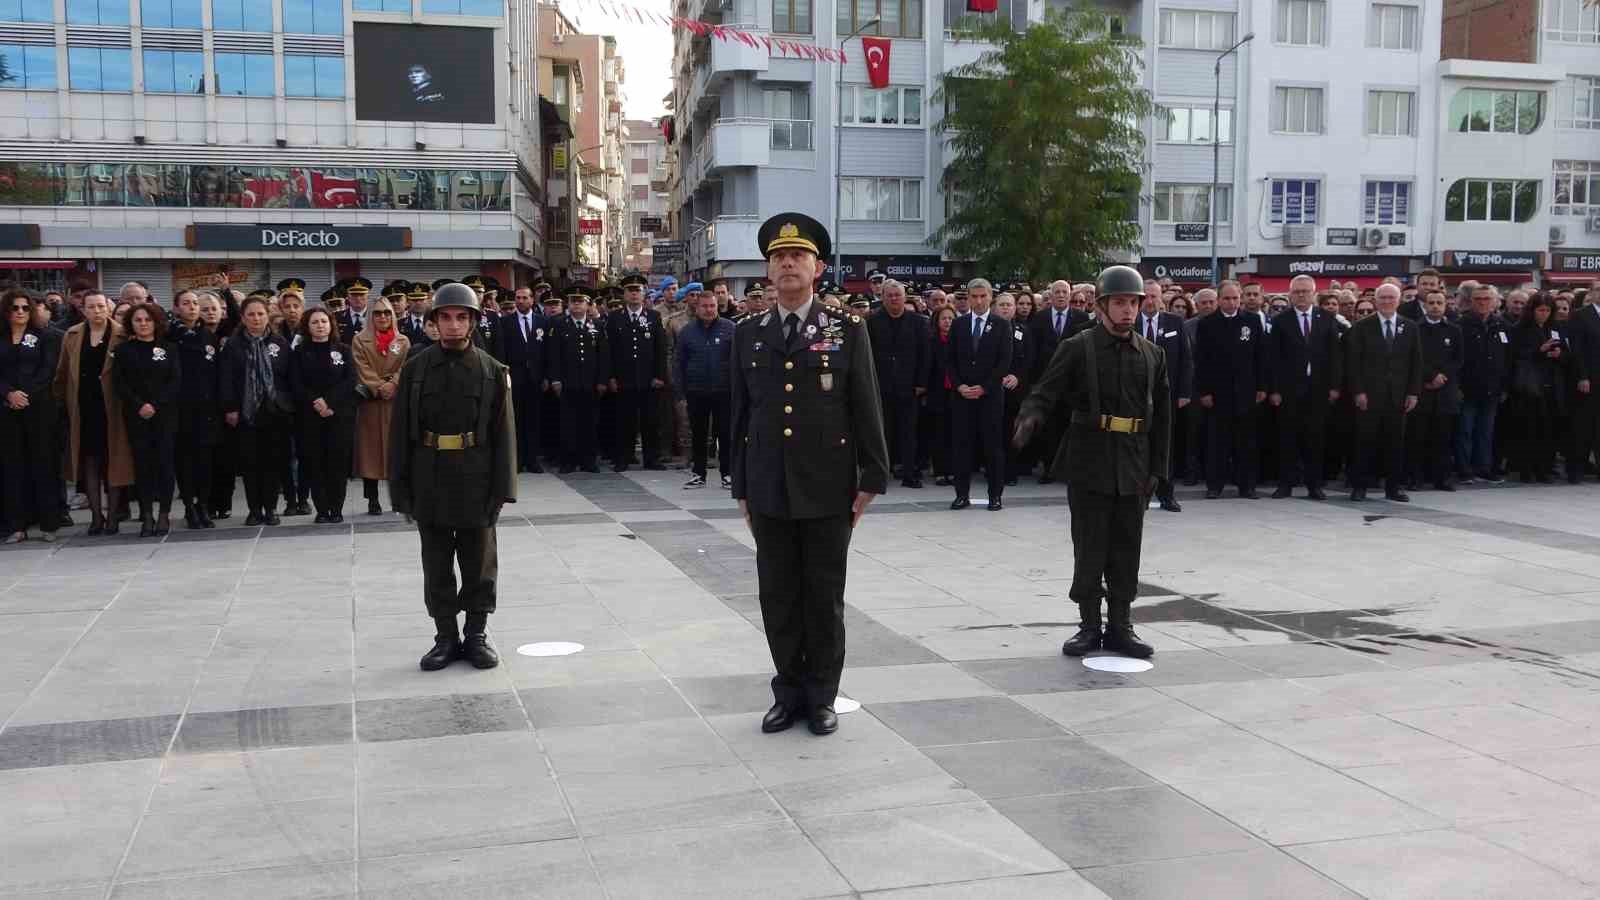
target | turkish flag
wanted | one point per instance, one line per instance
(983, 5)
(876, 50)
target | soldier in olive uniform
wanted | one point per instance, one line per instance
(1115, 384)
(453, 465)
(808, 457)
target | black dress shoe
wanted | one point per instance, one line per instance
(1190, 482)
(568, 470)
(1085, 641)
(995, 505)
(204, 518)
(271, 518)
(1315, 494)
(95, 530)
(1449, 488)
(620, 468)
(336, 519)
(1213, 495)
(1282, 492)
(476, 650)
(960, 503)
(374, 508)
(913, 483)
(1358, 495)
(190, 520)
(1171, 504)
(147, 528)
(253, 519)
(445, 651)
(592, 469)
(1397, 496)
(1122, 640)
(1011, 482)
(221, 514)
(1249, 495)
(163, 526)
(942, 481)
(1046, 479)
(778, 718)
(823, 720)
(322, 519)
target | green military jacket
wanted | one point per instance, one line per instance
(443, 392)
(1132, 377)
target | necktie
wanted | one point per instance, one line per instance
(525, 324)
(1060, 320)
(1150, 329)
(1388, 331)
(977, 328)
(791, 327)
(1305, 324)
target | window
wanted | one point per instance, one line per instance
(639, 165)
(791, 16)
(559, 81)
(1577, 189)
(313, 17)
(1389, 113)
(1302, 22)
(462, 7)
(1297, 110)
(313, 76)
(31, 68)
(861, 105)
(1196, 29)
(880, 199)
(174, 72)
(95, 12)
(789, 108)
(1497, 112)
(1189, 204)
(244, 74)
(399, 6)
(99, 69)
(244, 15)
(1392, 27)
(1581, 98)
(1192, 124)
(1572, 21)
(169, 13)
(1491, 200)
(1387, 203)
(896, 18)
(958, 17)
(1293, 201)
(27, 11)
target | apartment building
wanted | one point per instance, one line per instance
(647, 212)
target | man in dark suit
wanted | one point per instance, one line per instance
(900, 348)
(1231, 377)
(638, 371)
(1432, 425)
(1165, 330)
(977, 360)
(1019, 378)
(1428, 281)
(1383, 371)
(520, 344)
(1049, 327)
(1307, 372)
(808, 458)
(1582, 332)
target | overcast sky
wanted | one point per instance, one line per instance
(646, 52)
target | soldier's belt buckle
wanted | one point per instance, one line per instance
(1121, 425)
(449, 441)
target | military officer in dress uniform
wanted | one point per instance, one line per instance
(416, 312)
(755, 300)
(1114, 382)
(580, 367)
(453, 465)
(638, 371)
(349, 319)
(486, 319)
(808, 457)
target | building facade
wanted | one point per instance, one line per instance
(186, 143)
(647, 213)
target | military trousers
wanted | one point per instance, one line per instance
(579, 406)
(474, 551)
(1107, 537)
(636, 420)
(800, 566)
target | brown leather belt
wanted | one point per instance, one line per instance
(449, 441)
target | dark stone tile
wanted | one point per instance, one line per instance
(571, 519)
(211, 534)
(308, 530)
(715, 695)
(1025, 768)
(604, 704)
(429, 717)
(1124, 826)
(718, 513)
(1043, 674)
(1196, 667)
(871, 643)
(265, 729)
(964, 720)
(71, 743)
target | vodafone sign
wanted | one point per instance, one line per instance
(314, 238)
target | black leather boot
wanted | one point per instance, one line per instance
(476, 649)
(1119, 637)
(446, 644)
(1088, 638)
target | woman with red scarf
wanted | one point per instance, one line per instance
(380, 350)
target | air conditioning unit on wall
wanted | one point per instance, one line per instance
(1299, 235)
(1558, 235)
(1374, 238)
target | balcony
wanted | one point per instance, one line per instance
(732, 56)
(738, 142)
(732, 237)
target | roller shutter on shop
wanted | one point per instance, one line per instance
(381, 271)
(156, 274)
(164, 277)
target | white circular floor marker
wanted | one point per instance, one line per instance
(1117, 664)
(550, 648)
(842, 705)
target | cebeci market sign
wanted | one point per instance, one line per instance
(281, 237)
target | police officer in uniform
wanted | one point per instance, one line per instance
(1114, 382)
(580, 366)
(486, 319)
(808, 457)
(638, 371)
(453, 465)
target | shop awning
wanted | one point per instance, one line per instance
(1579, 278)
(1279, 284)
(38, 264)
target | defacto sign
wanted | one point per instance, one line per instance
(315, 238)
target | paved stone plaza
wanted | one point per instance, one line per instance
(1375, 700)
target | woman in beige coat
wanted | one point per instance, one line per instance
(99, 457)
(380, 350)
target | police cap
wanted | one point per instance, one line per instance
(456, 294)
(358, 285)
(630, 279)
(441, 282)
(396, 287)
(792, 229)
(1119, 280)
(292, 286)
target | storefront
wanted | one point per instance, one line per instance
(1274, 273)
(1183, 270)
(34, 274)
(1507, 268)
(907, 269)
(1572, 268)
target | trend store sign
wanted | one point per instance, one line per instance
(316, 238)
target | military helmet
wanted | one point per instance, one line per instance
(1119, 280)
(455, 294)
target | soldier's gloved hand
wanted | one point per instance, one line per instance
(1024, 431)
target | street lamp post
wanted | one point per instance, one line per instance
(838, 124)
(1216, 150)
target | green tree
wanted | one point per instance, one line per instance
(1045, 147)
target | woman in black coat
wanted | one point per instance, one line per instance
(29, 463)
(322, 377)
(199, 417)
(148, 379)
(1538, 389)
(256, 402)
(936, 403)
